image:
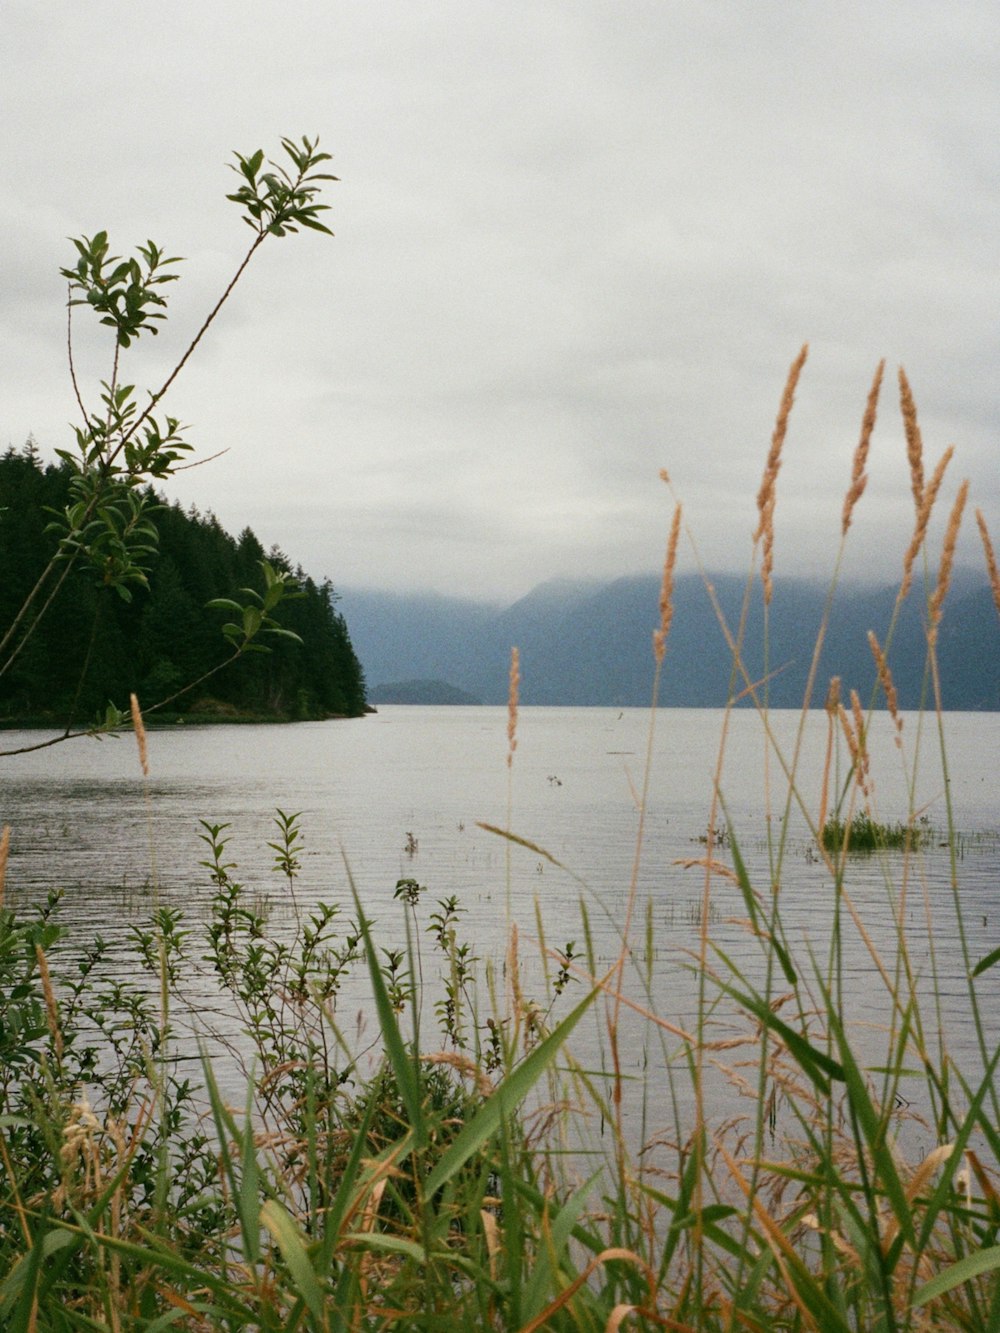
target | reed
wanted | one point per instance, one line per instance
(475, 1169)
(991, 560)
(859, 477)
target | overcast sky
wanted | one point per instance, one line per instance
(576, 241)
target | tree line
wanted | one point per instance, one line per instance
(98, 644)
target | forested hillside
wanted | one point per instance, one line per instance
(93, 646)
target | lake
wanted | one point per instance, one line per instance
(403, 793)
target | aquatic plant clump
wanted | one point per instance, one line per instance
(862, 833)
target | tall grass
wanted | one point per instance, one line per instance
(464, 1181)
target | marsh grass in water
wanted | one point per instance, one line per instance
(747, 1169)
(862, 833)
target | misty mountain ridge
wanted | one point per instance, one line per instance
(590, 643)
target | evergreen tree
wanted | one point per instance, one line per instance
(96, 646)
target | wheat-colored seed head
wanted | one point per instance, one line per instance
(667, 588)
(4, 853)
(914, 443)
(512, 701)
(947, 561)
(991, 560)
(887, 683)
(859, 477)
(463, 1065)
(514, 970)
(854, 735)
(859, 731)
(930, 492)
(140, 734)
(51, 1009)
(766, 494)
(833, 695)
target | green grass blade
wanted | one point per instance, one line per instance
(742, 877)
(403, 1066)
(243, 1184)
(515, 1087)
(984, 1261)
(248, 1199)
(939, 1199)
(986, 963)
(292, 1245)
(873, 1126)
(21, 1283)
(553, 1242)
(337, 1210)
(379, 1240)
(816, 1064)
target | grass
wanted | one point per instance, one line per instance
(470, 1172)
(862, 833)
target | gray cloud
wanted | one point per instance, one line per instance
(575, 243)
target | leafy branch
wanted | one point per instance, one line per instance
(122, 447)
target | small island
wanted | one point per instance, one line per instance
(421, 692)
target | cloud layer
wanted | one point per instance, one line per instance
(575, 243)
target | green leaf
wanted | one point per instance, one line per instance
(983, 1261)
(514, 1088)
(403, 1065)
(377, 1240)
(873, 1125)
(986, 963)
(557, 1237)
(293, 1250)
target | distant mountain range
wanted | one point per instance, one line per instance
(591, 644)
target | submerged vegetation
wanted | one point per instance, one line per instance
(462, 1166)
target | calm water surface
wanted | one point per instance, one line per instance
(83, 820)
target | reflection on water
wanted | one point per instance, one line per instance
(402, 794)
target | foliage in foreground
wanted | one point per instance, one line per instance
(431, 1188)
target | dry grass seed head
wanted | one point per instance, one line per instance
(833, 695)
(766, 494)
(513, 695)
(667, 588)
(991, 560)
(51, 1008)
(859, 730)
(859, 477)
(854, 746)
(140, 734)
(914, 443)
(464, 1066)
(930, 492)
(4, 853)
(947, 561)
(887, 683)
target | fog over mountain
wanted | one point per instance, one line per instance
(590, 643)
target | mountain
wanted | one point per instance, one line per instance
(591, 643)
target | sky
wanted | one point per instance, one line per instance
(576, 241)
